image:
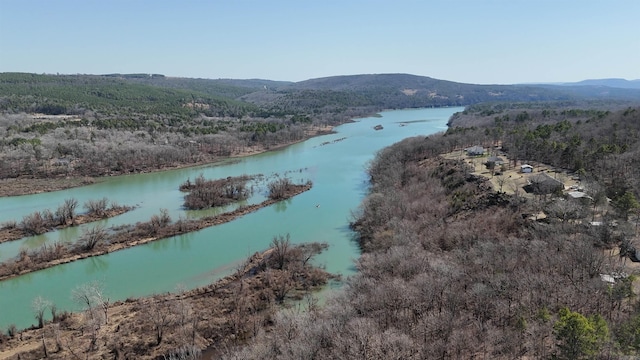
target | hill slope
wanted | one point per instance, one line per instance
(72, 94)
(615, 83)
(384, 91)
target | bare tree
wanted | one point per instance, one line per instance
(39, 306)
(161, 316)
(91, 296)
(566, 210)
(186, 319)
(308, 251)
(281, 246)
(97, 207)
(33, 223)
(159, 221)
(92, 237)
(66, 211)
(278, 188)
(501, 180)
(281, 283)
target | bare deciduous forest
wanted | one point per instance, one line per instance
(452, 268)
(456, 262)
(59, 126)
(173, 326)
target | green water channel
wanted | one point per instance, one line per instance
(338, 172)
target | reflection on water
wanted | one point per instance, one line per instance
(96, 264)
(185, 241)
(34, 242)
(282, 205)
(159, 245)
(70, 235)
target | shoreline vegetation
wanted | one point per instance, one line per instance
(211, 318)
(202, 193)
(33, 185)
(97, 241)
(37, 224)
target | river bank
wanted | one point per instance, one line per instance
(27, 186)
(217, 316)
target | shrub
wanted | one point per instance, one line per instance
(97, 207)
(278, 188)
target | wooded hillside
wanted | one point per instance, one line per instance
(453, 268)
(58, 126)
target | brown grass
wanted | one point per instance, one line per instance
(511, 177)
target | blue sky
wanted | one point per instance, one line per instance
(472, 41)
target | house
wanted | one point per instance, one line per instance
(543, 184)
(526, 168)
(495, 161)
(475, 151)
(579, 195)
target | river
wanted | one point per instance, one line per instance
(336, 164)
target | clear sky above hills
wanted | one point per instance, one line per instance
(472, 41)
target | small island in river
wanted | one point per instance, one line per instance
(97, 241)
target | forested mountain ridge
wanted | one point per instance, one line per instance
(231, 88)
(374, 92)
(54, 126)
(432, 90)
(239, 97)
(613, 82)
(74, 94)
(409, 91)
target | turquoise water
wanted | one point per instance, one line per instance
(321, 214)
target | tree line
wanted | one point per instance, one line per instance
(78, 149)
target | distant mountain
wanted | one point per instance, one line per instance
(383, 91)
(367, 93)
(369, 81)
(410, 91)
(255, 83)
(614, 83)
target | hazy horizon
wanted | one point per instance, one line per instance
(264, 79)
(467, 41)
